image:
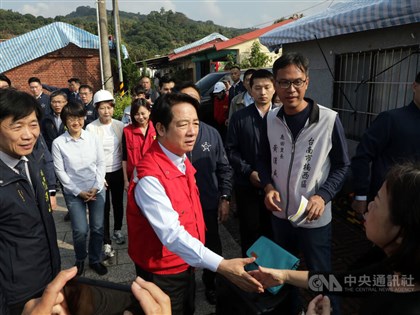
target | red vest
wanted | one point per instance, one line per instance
(144, 247)
(221, 109)
(137, 145)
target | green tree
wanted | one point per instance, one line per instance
(256, 58)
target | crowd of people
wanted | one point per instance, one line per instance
(270, 146)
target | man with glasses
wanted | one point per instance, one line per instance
(86, 96)
(303, 154)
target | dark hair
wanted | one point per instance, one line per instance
(165, 79)
(162, 109)
(135, 105)
(248, 72)
(34, 79)
(73, 80)
(261, 74)
(138, 89)
(4, 78)
(17, 104)
(188, 84)
(58, 93)
(72, 109)
(292, 58)
(403, 187)
(235, 67)
(417, 78)
(86, 86)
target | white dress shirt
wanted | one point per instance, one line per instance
(79, 163)
(157, 208)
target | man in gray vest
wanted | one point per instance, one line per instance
(303, 154)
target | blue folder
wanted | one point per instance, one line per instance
(271, 255)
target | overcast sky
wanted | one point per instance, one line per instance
(234, 13)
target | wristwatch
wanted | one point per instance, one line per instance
(225, 197)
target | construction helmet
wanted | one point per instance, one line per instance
(103, 96)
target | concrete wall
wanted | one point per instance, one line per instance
(57, 67)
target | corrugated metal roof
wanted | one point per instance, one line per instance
(249, 36)
(345, 18)
(208, 38)
(194, 50)
(32, 45)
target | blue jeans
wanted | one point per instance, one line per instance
(314, 244)
(80, 227)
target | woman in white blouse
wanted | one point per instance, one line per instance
(79, 163)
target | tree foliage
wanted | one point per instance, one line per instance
(256, 58)
(145, 36)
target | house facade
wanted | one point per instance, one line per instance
(363, 58)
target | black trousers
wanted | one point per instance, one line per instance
(115, 181)
(212, 242)
(179, 287)
(254, 218)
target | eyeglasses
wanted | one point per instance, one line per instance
(285, 84)
(75, 118)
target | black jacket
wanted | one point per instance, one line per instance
(214, 174)
(242, 143)
(50, 131)
(29, 257)
(392, 138)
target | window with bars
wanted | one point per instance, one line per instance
(371, 82)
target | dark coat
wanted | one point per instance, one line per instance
(214, 175)
(29, 258)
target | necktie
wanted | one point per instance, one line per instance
(21, 167)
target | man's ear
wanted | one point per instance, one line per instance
(160, 129)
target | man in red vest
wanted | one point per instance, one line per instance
(165, 220)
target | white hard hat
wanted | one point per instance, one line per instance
(103, 96)
(219, 87)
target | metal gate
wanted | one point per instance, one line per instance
(370, 82)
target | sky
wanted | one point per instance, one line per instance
(233, 13)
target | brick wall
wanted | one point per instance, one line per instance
(57, 67)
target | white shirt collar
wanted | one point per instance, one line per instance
(179, 161)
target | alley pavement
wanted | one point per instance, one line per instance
(348, 243)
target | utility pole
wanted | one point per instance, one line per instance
(108, 82)
(118, 46)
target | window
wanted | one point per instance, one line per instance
(371, 82)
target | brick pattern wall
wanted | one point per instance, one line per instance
(57, 67)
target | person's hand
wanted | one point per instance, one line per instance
(255, 179)
(53, 202)
(223, 211)
(152, 299)
(233, 270)
(126, 185)
(84, 195)
(315, 207)
(360, 206)
(272, 198)
(149, 101)
(269, 277)
(320, 305)
(52, 300)
(92, 194)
